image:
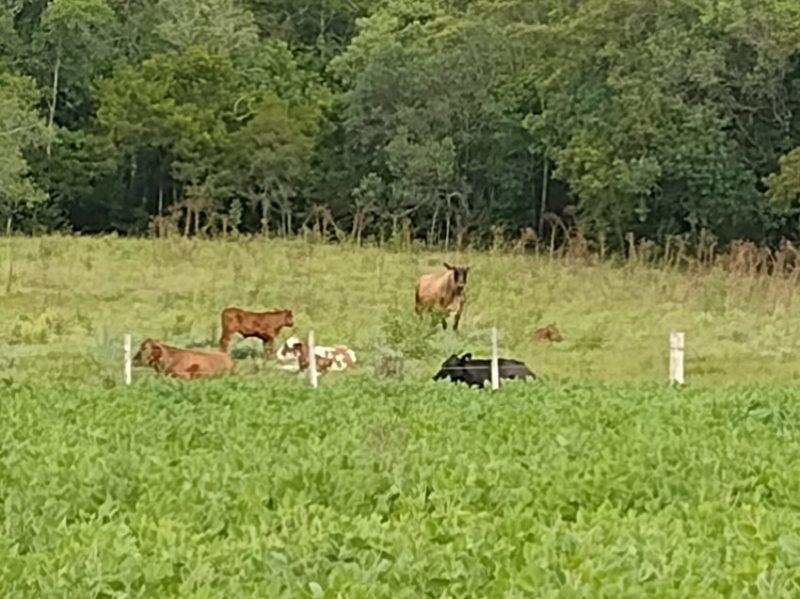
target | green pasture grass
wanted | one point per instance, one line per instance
(67, 301)
(365, 489)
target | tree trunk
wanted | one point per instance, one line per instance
(543, 205)
(362, 219)
(160, 199)
(10, 275)
(620, 236)
(188, 223)
(447, 231)
(53, 101)
(265, 216)
(406, 233)
(354, 232)
(431, 238)
(134, 166)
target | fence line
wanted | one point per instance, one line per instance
(676, 360)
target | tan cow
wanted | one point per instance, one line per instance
(443, 291)
(184, 364)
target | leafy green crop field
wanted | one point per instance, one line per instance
(232, 488)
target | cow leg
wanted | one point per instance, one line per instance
(457, 318)
(225, 341)
(269, 347)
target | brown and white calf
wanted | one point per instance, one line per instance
(294, 356)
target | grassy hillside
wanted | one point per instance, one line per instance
(371, 490)
(66, 302)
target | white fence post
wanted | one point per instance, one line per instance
(312, 360)
(127, 370)
(495, 366)
(676, 358)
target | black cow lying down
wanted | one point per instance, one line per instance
(477, 372)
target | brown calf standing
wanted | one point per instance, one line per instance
(184, 364)
(443, 291)
(262, 325)
(548, 333)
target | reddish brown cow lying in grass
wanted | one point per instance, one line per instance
(262, 325)
(548, 333)
(182, 364)
(443, 291)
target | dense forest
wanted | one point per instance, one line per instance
(441, 120)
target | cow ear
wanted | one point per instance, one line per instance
(447, 266)
(466, 357)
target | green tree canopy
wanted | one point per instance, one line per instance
(20, 129)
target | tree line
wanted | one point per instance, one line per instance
(446, 121)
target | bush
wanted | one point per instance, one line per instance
(37, 329)
(404, 332)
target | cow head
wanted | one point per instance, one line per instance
(299, 349)
(288, 318)
(287, 350)
(459, 274)
(452, 366)
(150, 353)
(324, 364)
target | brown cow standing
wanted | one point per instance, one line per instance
(262, 325)
(184, 364)
(548, 333)
(443, 291)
